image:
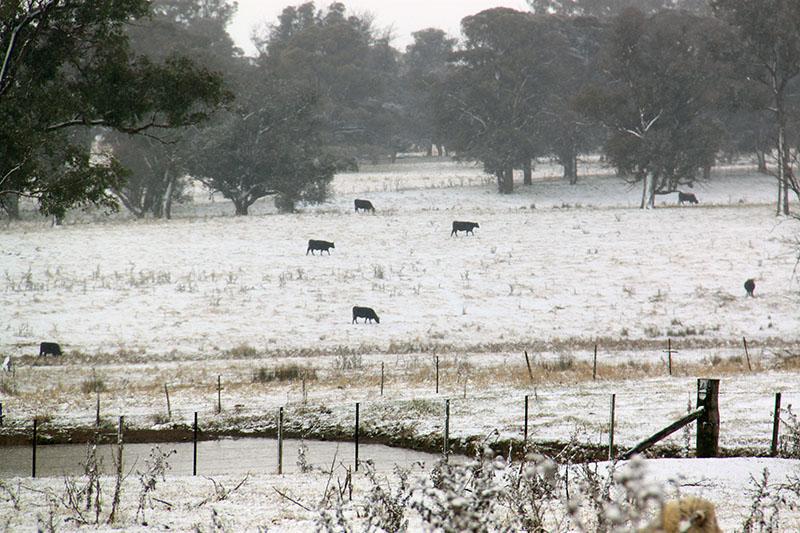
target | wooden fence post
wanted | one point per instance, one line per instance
(219, 394)
(97, 406)
(525, 433)
(1, 413)
(356, 435)
(594, 364)
(437, 373)
(611, 428)
(33, 459)
(194, 446)
(446, 446)
(381, 378)
(776, 422)
(169, 409)
(708, 422)
(747, 354)
(280, 440)
(528, 363)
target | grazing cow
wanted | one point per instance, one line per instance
(322, 246)
(367, 313)
(49, 348)
(466, 227)
(364, 205)
(750, 286)
(687, 197)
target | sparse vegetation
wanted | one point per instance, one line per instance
(284, 372)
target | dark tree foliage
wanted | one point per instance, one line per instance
(268, 144)
(612, 8)
(663, 84)
(67, 65)
(768, 32)
(496, 96)
(425, 65)
(355, 73)
(194, 29)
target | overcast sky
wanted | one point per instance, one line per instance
(402, 16)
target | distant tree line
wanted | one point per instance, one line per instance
(111, 102)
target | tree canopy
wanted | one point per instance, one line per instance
(67, 65)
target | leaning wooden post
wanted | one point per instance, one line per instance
(747, 354)
(594, 364)
(611, 428)
(776, 422)
(97, 407)
(446, 445)
(194, 446)
(355, 436)
(219, 394)
(169, 409)
(708, 421)
(437, 373)
(528, 364)
(1, 413)
(525, 433)
(280, 440)
(381, 378)
(669, 355)
(33, 458)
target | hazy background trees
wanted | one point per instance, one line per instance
(662, 89)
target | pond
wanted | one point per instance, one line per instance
(214, 457)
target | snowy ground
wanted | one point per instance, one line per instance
(193, 504)
(553, 269)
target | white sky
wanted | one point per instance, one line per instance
(402, 16)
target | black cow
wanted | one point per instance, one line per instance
(367, 313)
(322, 246)
(463, 226)
(49, 348)
(364, 205)
(750, 286)
(687, 197)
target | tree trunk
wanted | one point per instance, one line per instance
(10, 204)
(241, 207)
(762, 161)
(783, 148)
(508, 180)
(707, 172)
(570, 163)
(527, 173)
(429, 151)
(166, 206)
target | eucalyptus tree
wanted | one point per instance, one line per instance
(425, 66)
(267, 144)
(157, 165)
(352, 68)
(495, 95)
(769, 34)
(67, 66)
(658, 101)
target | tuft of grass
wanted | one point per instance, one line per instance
(93, 384)
(242, 351)
(286, 372)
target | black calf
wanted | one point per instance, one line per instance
(322, 246)
(49, 348)
(366, 313)
(466, 227)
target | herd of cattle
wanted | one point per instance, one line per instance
(367, 313)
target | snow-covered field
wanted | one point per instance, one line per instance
(553, 269)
